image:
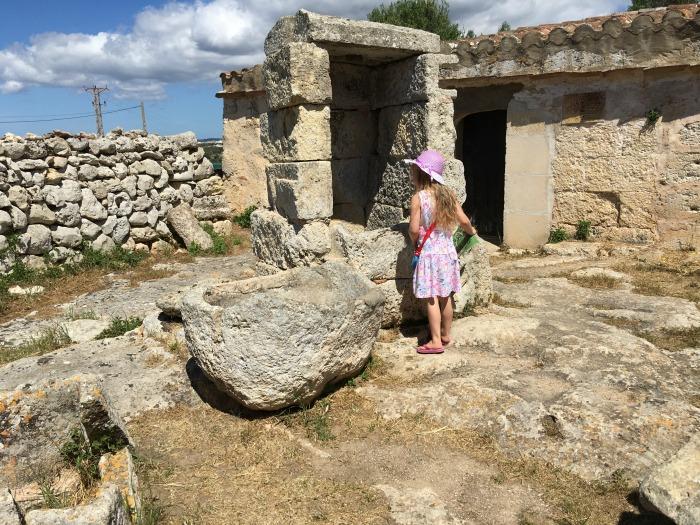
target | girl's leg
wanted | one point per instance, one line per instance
(434, 323)
(446, 313)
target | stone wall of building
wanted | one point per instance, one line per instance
(59, 191)
(243, 162)
(582, 148)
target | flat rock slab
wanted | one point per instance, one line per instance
(549, 379)
(125, 364)
(674, 487)
(82, 330)
(120, 299)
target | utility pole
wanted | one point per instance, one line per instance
(97, 105)
(143, 117)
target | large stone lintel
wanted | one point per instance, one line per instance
(330, 30)
(414, 79)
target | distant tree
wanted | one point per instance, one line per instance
(649, 4)
(505, 26)
(470, 34)
(429, 15)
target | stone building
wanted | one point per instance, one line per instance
(595, 120)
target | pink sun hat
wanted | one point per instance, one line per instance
(432, 163)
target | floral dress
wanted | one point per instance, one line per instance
(437, 272)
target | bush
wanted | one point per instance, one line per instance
(243, 219)
(119, 326)
(85, 456)
(558, 235)
(219, 243)
(583, 230)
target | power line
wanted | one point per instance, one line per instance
(48, 115)
(87, 115)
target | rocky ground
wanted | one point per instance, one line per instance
(549, 407)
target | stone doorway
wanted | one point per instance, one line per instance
(483, 152)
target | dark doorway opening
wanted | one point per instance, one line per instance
(483, 152)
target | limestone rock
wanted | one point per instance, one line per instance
(36, 240)
(41, 214)
(673, 488)
(82, 330)
(276, 242)
(108, 508)
(5, 222)
(182, 220)
(297, 74)
(103, 243)
(475, 277)
(68, 237)
(8, 510)
(211, 207)
(301, 191)
(326, 321)
(606, 273)
(297, 133)
(90, 207)
(30, 290)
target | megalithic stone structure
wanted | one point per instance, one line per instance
(348, 101)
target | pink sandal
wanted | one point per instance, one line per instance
(425, 349)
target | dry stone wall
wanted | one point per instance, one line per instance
(60, 191)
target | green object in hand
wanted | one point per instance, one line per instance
(464, 242)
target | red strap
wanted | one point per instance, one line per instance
(425, 238)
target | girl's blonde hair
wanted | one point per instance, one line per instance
(445, 213)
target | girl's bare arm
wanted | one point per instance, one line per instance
(414, 221)
(464, 221)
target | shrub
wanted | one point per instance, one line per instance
(583, 230)
(119, 326)
(653, 115)
(243, 219)
(219, 243)
(85, 456)
(558, 235)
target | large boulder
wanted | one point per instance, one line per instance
(185, 224)
(673, 488)
(384, 255)
(277, 341)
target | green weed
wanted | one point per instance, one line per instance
(583, 230)
(50, 339)
(243, 219)
(119, 326)
(558, 235)
(219, 242)
(84, 455)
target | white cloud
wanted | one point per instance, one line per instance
(182, 42)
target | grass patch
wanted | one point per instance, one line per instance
(51, 339)
(76, 315)
(598, 282)
(313, 418)
(84, 456)
(499, 300)
(673, 340)
(243, 219)
(20, 274)
(52, 499)
(119, 326)
(220, 246)
(676, 274)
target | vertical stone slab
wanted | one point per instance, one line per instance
(243, 161)
(528, 179)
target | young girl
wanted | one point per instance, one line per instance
(436, 276)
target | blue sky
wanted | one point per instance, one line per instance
(169, 53)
